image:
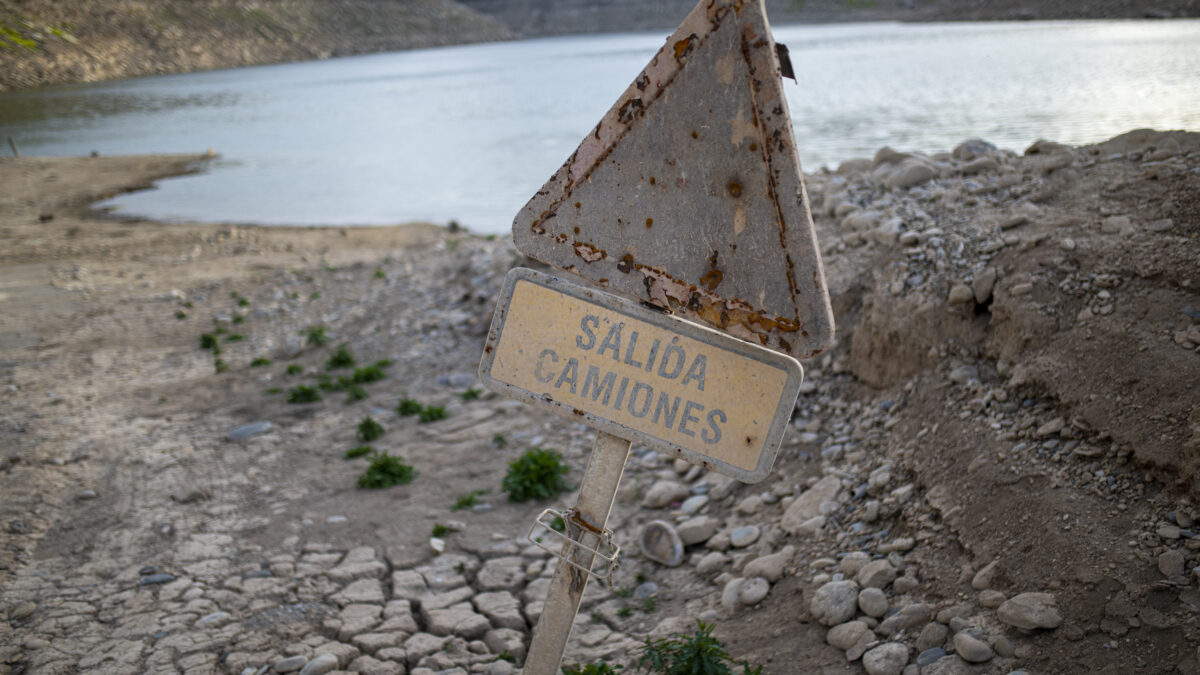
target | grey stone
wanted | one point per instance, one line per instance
(247, 430)
(929, 656)
(972, 649)
(1030, 611)
(214, 619)
(290, 664)
(873, 602)
(321, 664)
(744, 536)
(911, 172)
(501, 608)
(698, 530)
(661, 543)
(754, 590)
(502, 574)
(852, 637)
(770, 567)
(712, 562)
(983, 578)
(1003, 646)
(461, 620)
(1171, 563)
(693, 504)
(155, 579)
(731, 593)
(808, 505)
(852, 562)
(991, 598)
(664, 493)
(505, 639)
(876, 574)
(888, 658)
(22, 611)
(908, 617)
(834, 602)
(932, 635)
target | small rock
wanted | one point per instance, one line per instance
(664, 493)
(910, 173)
(290, 664)
(834, 602)
(991, 598)
(770, 567)
(22, 611)
(730, 594)
(697, 530)
(214, 619)
(744, 536)
(972, 649)
(749, 506)
(876, 574)
(873, 602)
(934, 634)
(1171, 563)
(87, 494)
(807, 505)
(1004, 647)
(247, 430)
(983, 578)
(909, 616)
(960, 294)
(852, 637)
(1050, 428)
(888, 658)
(930, 656)
(155, 579)
(323, 663)
(712, 562)
(693, 504)
(1029, 611)
(753, 591)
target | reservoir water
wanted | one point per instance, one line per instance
(469, 133)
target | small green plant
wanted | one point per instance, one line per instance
(385, 471)
(467, 501)
(355, 393)
(209, 341)
(219, 330)
(371, 373)
(440, 530)
(623, 592)
(407, 407)
(295, 369)
(238, 319)
(558, 524)
(470, 394)
(356, 452)
(326, 384)
(273, 390)
(220, 366)
(499, 440)
(235, 337)
(649, 605)
(180, 314)
(369, 430)
(600, 668)
(342, 358)
(316, 336)
(242, 302)
(379, 273)
(260, 362)
(682, 655)
(432, 413)
(316, 295)
(383, 363)
(188, 304)
(640, 577)
(507, 656)
(303, 394)
(537, 474)
(625, 611)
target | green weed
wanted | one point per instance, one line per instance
(209, 341)
(440, 530)
(432, 413)
(682, 655)
(220, 366)
(238, 319)
(273, 390)
(235, 337)
(260, 362)
(499, 440)
(355, 393)
(407, 407)
(181, 315)
(316, 336)
(467, 501)
(379, 273)
(303, 394)
(470, 394)
(600, 668)
(385, 471)
(369, 430)
(356, 452)
(342, 358)
(625, 611)
(295, 369)
(537, 474)
(371, 373)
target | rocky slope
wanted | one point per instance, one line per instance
(991, 473)
(554, 17)
(54, 41)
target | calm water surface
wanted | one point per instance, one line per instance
(469, 133)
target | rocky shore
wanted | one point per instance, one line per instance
(993, 471)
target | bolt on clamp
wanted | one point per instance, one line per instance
(606, 550)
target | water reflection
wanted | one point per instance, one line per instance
(470, 132)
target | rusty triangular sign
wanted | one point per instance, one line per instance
(688, 193)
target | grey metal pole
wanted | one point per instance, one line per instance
(596, 494)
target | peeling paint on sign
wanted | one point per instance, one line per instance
(640, 374)
(688, 193)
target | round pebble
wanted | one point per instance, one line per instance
(744, 536)
(888, 658)
(873, 602)
(972, 649)
(753, 591)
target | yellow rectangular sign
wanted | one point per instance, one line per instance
(640, 374)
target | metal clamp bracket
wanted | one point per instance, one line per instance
(606, 550)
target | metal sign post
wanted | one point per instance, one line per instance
(687, 201)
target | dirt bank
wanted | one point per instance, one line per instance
(57, 41)
(1002, 446)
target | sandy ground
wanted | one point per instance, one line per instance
(1011, 409)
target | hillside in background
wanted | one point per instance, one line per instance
(56, 41)
(556, 17)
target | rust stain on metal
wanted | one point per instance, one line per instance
(649, 223)
(685, 46)
(589, 253)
